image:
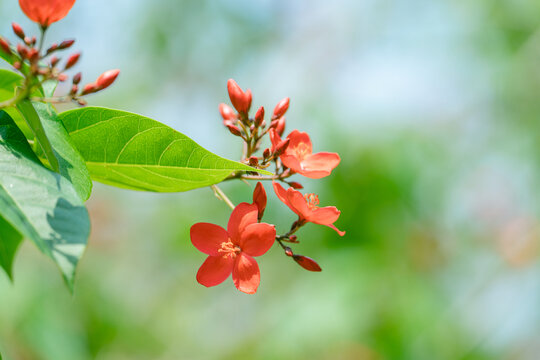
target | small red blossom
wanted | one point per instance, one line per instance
(240, 99)
(299, 155)
(306, 207)
(259, 199)
(46, 12)
(232, 250)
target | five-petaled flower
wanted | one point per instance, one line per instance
(232, 250)
(46, 12)
(299, 155)
(305, 206)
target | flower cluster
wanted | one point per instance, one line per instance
(39, 64)
(231, 251)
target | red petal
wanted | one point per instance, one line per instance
(283, 195)
(207, 237)
(259, 198)
(298, 203)
(332, 226)
(243, 215)
(275, 139)
(319, 165)
(46, 12)
(215, 270)
(291, 161)
(324, 216)
(246, 274)
(257, 239)
(297, 138)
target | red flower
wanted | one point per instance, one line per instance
(305, 206)
(299, 156)
(232, 250)
(46, 12)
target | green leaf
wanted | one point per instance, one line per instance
(134, 152)
(32, 119)
(9, 242)
(71, 163)
(8, 83)
(42, 205)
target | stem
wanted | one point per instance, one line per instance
(42, 38)
(221, 195)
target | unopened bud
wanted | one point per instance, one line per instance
(72, 60)
(281, 108)
(296, 185)
(17, 65)
(89, 89)
(107, 78)
(66, 44)
(52, 48)
(4, 44)
(33, 41)
(266, 153)
(293, 238)
(253, 161)
(241, 100)
(22, 50)
(17, 29)
(33, 54)
(259, 117)
(74, 89)
(82, 102)
(27, 40)
(54, 61)
(77, 78)
(260, 199)
(280, 126)
(62, 77)
(234, 130)
(307, 263)
(227, 112)
(288, 251)
(281, 147)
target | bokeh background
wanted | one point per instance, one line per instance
(434, 107)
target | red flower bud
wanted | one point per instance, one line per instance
(227, 112)
(17, 29)
(281, 108)
(266, 153)
(107, 78)
(22, 50)
(54, 61)
(281, 147)
(259, 116)
(62, 77)
(259, 198)
(77, 78)
(253, 161)
(72, 60)
(288, 251)
(293, 238)
(280, 126)
(74, 89)
(89, 88)
(17, 65)
(65, 44)
(241, 100)
(307, 263)
(4, 44)
(52, 48)
(295, 185)
(46, 12)
(234, 129)
(33, 54)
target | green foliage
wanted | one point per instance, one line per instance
(134, 152)
(40, 204)
(9, 242)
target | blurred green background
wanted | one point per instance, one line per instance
(434, 107)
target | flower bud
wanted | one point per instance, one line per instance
(17, 65)
(107, 78)
(74, 89)
(77, 78)
(62, 77)
(280, 126)
(241, 100)
(72, 60)
(23, 51)
(253, 161)
(17, 29)
(227, 112)
(281, 108)
(4, 44)
(33, 54)
(27, 41)
(89, 89)
(288, 251)
(293, 238)
(52, 48)
(66, 44)
(54, 61)
(82, 102)
(307, 263)
(259, 198)
(33, 41)
(296, 185)
(234, 130)
(266, 153)
(259, 116)
(281, 147)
